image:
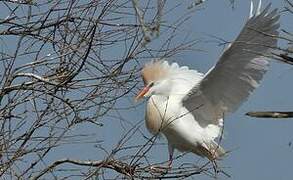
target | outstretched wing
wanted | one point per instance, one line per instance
(238, 72)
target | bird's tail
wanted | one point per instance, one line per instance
(212, 150)
(216, 150)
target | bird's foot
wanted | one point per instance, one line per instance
(161, 169)
(216, 168)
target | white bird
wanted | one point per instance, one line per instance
(188, 107)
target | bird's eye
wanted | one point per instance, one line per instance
(151, 84)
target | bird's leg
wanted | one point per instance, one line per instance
(169, 165)
(171, 152)
(215, 167)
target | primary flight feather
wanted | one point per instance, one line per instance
(188, 107)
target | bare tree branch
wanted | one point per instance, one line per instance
(270, 114)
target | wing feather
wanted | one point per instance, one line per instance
(238, 71)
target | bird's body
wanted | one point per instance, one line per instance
(188, 107)
(167, 115)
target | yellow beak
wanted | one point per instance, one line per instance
(142, 93)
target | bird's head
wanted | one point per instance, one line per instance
(156, 79)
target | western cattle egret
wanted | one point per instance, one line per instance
(188, 107)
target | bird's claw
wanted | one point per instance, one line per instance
(160, 169)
